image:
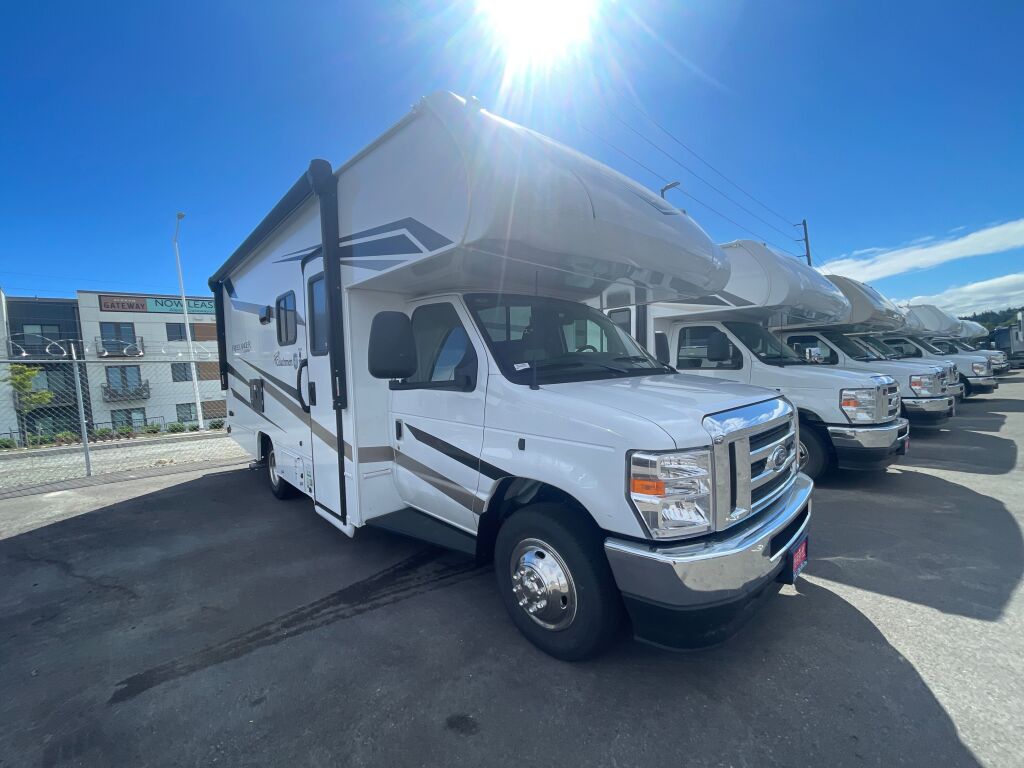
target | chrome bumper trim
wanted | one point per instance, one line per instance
(881, 436)
(982, 381)
(929, 404)
(706, 572)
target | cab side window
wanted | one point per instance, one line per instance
(444, 352)
(904, 347)
(692, 350)
(800, 343)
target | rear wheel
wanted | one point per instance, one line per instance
(278, 486)
(813, 453)
(555, 581)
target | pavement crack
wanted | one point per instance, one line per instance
(69, 570)
(423, 572)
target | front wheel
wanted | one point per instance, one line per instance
(555, 581)
(813, 453)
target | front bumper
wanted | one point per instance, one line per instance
(956, 390)
(697, 593)
(870, 447)
(980, 385)
(932, 411)
(1002, 369)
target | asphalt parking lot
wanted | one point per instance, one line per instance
(192, 619)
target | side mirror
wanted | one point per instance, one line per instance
(661, 353)
(392, 353)
(719, 348)
(813, 355)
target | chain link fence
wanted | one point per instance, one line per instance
(63, 417)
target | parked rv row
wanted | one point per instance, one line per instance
(417, 341)
(859, 370)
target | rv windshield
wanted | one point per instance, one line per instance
(850, 347)
(881, 347)
(766, 346)
(926, 346)
(552, 341)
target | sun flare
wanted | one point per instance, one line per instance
(537, 34)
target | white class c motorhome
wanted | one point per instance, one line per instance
(405, 341)
(974, 369)
(848, 419)
(925, 395)
(946, 333)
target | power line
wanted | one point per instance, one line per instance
(681, 191)
(693, 152)
(701, 178)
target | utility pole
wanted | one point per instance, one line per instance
(807, 242)
(188, 327)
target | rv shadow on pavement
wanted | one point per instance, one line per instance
(920, 538)
(208, 622)
(963, 446)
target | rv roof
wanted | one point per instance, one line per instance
(454, 197)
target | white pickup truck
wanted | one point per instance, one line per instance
(927, 390)
(849, 419)
(406, 341)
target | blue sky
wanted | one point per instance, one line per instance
(881, 123)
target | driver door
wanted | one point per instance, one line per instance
(438, 415)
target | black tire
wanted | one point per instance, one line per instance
(573, 539)
(278, 486)
(968, 389)
(817, 450)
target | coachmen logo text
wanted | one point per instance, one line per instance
(287, 361)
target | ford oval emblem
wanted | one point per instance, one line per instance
(777, 458)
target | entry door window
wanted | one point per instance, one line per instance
(444, 352)
(318, 322)
(692, 350)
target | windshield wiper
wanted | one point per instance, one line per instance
(580, 363)
(642, 359)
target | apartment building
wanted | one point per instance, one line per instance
(38, 334)
(146, 375)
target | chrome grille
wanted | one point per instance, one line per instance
(891, 397)
(750, 472)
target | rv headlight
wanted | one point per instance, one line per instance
(672, 492)
(925, 385)
(980, 369)
(859, 405)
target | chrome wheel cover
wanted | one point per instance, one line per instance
(542, 584)
(272, 467)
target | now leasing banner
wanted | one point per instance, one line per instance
(154, 304)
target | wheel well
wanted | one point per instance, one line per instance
(809, 417)
(514, 493)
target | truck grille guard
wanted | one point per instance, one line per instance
(755, 458)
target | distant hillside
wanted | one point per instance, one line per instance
(995, 318)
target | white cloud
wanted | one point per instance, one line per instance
(997, 293)
(912, 258)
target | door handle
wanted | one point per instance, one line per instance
(298, 384)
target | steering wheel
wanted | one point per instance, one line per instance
(586, 347)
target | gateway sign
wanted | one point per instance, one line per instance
(154, 304)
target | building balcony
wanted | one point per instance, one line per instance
(119, 394)
(127, 347)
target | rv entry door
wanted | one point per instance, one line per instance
(315, 389)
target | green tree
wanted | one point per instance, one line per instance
(26, 397)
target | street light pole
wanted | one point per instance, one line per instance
(188, 326)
